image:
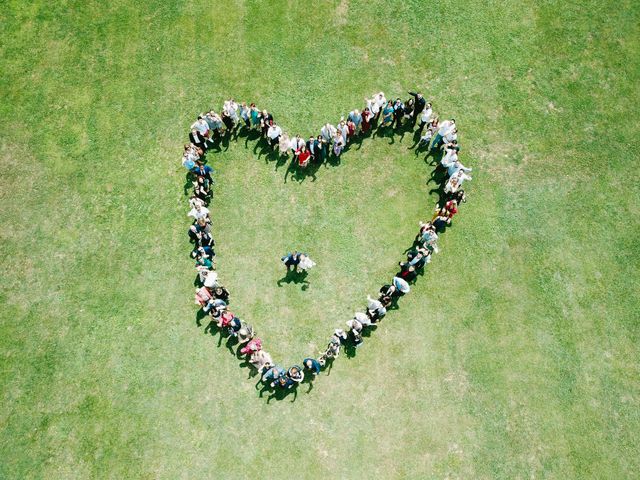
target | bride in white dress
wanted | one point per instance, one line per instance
(305, 263)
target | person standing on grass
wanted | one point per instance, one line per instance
(273, 135)
(338, 144)
(245, 114)
(387, 115)
(303, 155)
(380, 101)
(198, 140)
(398, 113)
(425, 116)
(199, 212)
(356, 117)
(296, 374)
(343, 130)
(296, 144)
(202, 170)
(284, 144)
(265, 121)
(312, 365)
(291, 260)
(445, 128)
(455, 181)
(418, 106)
(367, 118)
(312, 147)
(254, 115)
(321, 150)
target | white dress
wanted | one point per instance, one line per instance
(306, 263)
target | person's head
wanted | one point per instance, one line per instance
(319, 138)
(419, 95)
(453, 120)
(194, 131)
(356, 112)
(428, 105)
(303, 147)
(311, 138)
(264, 113)
(271, 123)
(308, 363)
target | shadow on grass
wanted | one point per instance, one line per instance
(296, 278)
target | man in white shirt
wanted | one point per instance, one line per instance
(273, 135)
(201, 126)
(451, 136)
(446, 127)
(452, 164)
(455, 181)
(199, 212)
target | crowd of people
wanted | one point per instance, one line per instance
(438, 137)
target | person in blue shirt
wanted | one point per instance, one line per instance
(291, 260)
(272, 375)
(312, 365)
(201, 170)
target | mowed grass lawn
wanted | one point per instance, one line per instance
(515, 355)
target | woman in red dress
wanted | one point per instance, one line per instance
(303, 155)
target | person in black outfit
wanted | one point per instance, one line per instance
(418, 106)
(265, 122)
(198, 140)
(398, 113)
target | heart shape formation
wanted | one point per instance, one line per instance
(380, 117)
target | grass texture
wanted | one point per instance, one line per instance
(515, 356)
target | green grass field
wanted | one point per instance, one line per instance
(515, 356)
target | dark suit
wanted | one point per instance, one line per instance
(198, 140)
(418, 106)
